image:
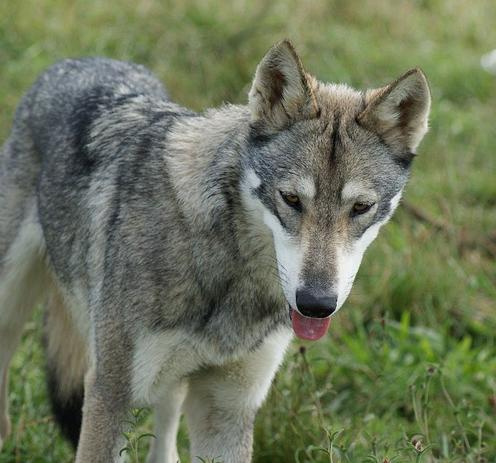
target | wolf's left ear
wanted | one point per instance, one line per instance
(281, 92)
(399, 112)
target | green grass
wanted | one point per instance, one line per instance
(408, 371)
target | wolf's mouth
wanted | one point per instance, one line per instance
(309, 328)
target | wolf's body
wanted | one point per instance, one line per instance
(165, 247)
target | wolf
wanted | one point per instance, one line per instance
(177, 253)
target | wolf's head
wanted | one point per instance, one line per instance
(326, 168)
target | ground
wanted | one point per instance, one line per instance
(408, 370)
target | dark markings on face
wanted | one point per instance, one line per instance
(383, 209)
(404, 160)
(335, 137)
(266, 196)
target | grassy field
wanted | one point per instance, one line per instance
(408, 370)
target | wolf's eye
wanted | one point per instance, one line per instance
(291, 200)
(360, 208)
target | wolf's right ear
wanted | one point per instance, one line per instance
(281, 92)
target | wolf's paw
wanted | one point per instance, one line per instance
(4, 429)
(168, 457)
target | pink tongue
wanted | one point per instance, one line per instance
(308, 327)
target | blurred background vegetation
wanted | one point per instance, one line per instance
(408, 370)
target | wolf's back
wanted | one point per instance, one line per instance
(72, 93)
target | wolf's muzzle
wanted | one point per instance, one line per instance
(315, 306)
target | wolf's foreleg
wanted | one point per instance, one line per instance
(167, 415)
(104, 415)
(107, 390)
(222, 402)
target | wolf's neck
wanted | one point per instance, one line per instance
(206, 156)
(205, 165)
(204, 159)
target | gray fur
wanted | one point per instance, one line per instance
(154, 243)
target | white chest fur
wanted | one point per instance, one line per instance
(161, 361)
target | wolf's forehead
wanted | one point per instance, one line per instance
(338, 100)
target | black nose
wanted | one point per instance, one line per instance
(313, 305)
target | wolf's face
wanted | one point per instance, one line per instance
(325, 170)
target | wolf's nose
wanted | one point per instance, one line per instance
(315, 306)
